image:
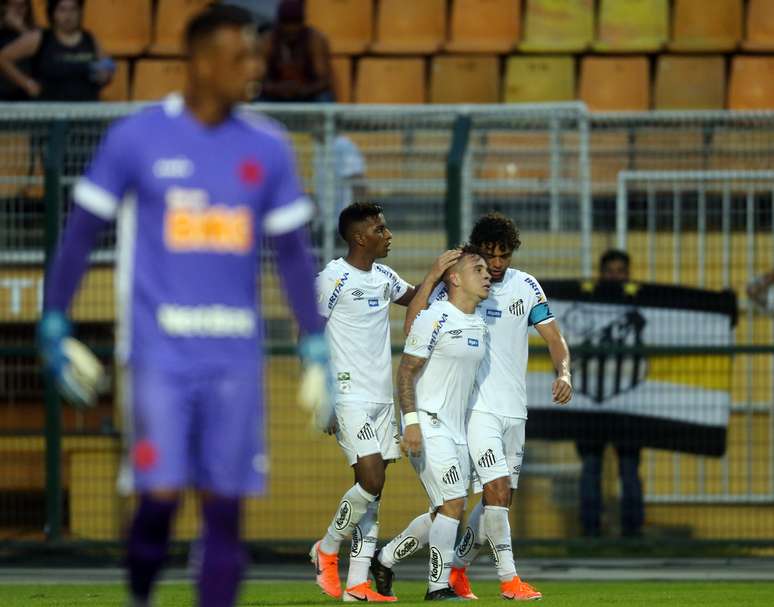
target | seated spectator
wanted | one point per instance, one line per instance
(67, 62)
(15, 19)
(298, 62)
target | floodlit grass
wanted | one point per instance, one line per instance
(571, 594)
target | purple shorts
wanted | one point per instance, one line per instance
(203, 430)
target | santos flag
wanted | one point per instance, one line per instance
(675, 401)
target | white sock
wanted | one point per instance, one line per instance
(364, 537)
(498, 531)
(408, 541)
(472, 540)
(352, 507)
(443, 532)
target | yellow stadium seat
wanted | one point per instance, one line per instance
(701, 26)
(342, 78)
(560, 26)
(20, 162)
(690, 83)
(171, 18)
(512, 155)
(615, 83)
(532, 79)
(752, 83)
(381, 80)
(465, 79)
(122, 27)
(348, 24)
(39, 13)
(760, 26)
(635, 25)
(118, 89)
(408, 26)
(484, 26)
(155, 78)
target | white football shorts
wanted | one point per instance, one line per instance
(443, 467)
(367, 428)
(496, 447)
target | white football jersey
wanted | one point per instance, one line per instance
(514, 304)
(357, 306)
(454, 343)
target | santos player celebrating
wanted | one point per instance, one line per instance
(498, 415)
(435, 378)
(354, 294)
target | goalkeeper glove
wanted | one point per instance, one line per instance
(315, 393)
(78, 375)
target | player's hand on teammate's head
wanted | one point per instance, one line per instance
(315, 392)
(78, 375)
(443, 262)
(561, 390)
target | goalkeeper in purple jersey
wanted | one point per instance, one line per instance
(194, 184)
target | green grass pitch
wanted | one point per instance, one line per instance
(570, 594)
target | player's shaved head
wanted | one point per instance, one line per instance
(354, 215)
(202, 27)
(495, 229)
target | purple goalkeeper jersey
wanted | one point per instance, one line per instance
(193, 203)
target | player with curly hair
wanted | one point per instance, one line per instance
(498, 407)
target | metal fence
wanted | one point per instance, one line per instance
(553, 168)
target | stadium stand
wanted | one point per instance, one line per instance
(759, 31)
(558, 26)
(383, 80)
(155, 78)
(348, 24)
(342, 78)
(118, 88)
(535, 79)
(695, 28)
(615, 83)
(465, 79)
(752, 83)
(123, 27)
(633, 26)
(684, 83)
(409, 27)
(484, 26)
(170, 19)
(143, 29)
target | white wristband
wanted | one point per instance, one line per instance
(410, 418)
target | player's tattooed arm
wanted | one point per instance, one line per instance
(408, 370)
(561, 390)
(421, 294)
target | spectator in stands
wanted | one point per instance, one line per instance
(760, 292)
(613, 266)
(67, 62)
(298, 61)
(15, 19)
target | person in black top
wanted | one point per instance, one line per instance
(15, 19)
(613, 267)
(67, 62)
(298, 62)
